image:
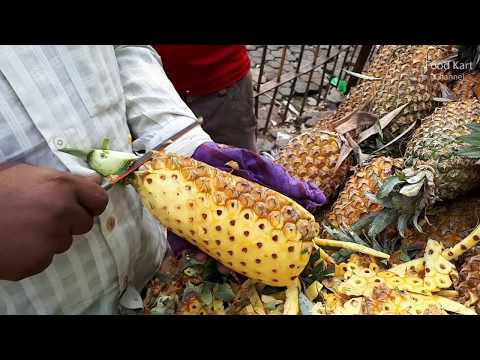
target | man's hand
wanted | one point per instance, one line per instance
(40, 210)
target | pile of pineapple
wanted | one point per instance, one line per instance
(400, 235)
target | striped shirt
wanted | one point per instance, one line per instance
(56, 96)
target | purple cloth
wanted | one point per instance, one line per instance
(255, 168)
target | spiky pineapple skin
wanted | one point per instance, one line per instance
(312, 156)
(448, 223)
(468, 283)
(409, 79)
(250, 229)
(468, 87)
(352, 203)
(365, 89)
(436, 142)
(404, 78)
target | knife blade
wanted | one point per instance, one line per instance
(110, 182)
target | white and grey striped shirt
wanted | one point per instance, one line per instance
(74, 96)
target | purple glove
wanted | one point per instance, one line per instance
(255, 168)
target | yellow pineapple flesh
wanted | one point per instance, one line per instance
(250, 229)
(352, 203)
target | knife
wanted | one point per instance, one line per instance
(110, 182)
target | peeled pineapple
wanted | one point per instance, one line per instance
(250, 229)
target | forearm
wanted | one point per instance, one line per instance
(155, 111)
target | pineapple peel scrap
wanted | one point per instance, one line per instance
(350, 246)
(452, 253)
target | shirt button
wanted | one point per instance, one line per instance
(59, 142)
(111, 223)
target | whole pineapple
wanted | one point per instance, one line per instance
(410, 79)
(365, 89)
(352, 203)
(313, 156)
(435, 170)
(250, 229)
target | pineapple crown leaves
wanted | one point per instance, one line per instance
(350, 235)
(403, 198)
(472, 142)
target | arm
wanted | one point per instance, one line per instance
(154, 109)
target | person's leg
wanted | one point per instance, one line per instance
(228, 115)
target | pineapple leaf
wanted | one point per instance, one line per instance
(337, 234)
(415, 220)
(341, 255)
(361, 76)
(381, 221)
(411, 190)
(224, 292)
(357, 239)
(388, 186)
(470, 152)
(416, 178)
(106, 144)
(402, 223)
(373, 198)
(363, 222)
(206, 295)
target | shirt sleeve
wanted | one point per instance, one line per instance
(155, 111)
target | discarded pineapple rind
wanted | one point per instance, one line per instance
(215, 211)
(351, 246)
(452, 253)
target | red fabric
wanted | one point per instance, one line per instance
(198, 70)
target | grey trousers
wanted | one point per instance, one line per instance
(228, 115)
